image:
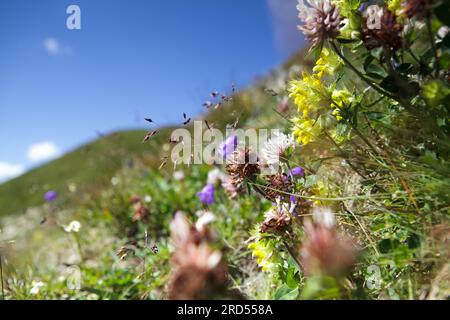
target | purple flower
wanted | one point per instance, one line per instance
(297, 171)
(228, 146)
(206, 196)
(292, 199)
(50, 196)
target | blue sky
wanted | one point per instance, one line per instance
(131, 59)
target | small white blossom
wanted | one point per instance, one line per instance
(178, 175)
(73, 226)
(115, 181)
(36, 286)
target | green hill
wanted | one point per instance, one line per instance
(86, 168)
(90, 167)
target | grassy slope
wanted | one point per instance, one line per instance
(86, 167)
(91, 166)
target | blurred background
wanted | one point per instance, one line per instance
(62, 88)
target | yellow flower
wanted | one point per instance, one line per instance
(340, 99)
(306, 129)
(327, 64)
(395, 6)
(265, 254)
(309, 93)
(320, 190)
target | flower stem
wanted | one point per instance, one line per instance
(355, 70)
(433, 47)
(293, 255)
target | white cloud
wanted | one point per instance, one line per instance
(9, 171)
(42, 151)
(55, 48)
(52, 46)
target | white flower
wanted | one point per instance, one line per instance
(73, 226)
(36, 286)
(205, 218)
(178, 175)
(115, 181)
(148, 199)
(215, 176)
(324, 216)
(276, 147)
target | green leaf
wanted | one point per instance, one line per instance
(375, 71)
(286, 293)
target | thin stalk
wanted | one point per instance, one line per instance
(293, 255)
(373, 196)
(351, 66)
(433, 46)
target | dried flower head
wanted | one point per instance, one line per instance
(381, 29)
(242, 165)
(278, 219)
(321, 20)
(278, 185)
(230, 188)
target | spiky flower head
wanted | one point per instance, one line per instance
(321, 20)
(277, 148)
(242, 165)
(381, 29)
(278, 219)
(278, 186)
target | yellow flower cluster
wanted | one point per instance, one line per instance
(305, 129)
(308, 93)
(327, 64)
(265, 253)
(340, 99)
(311, 96)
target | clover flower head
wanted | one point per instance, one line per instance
(278, 218)
(321, 20)
(278, 146)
